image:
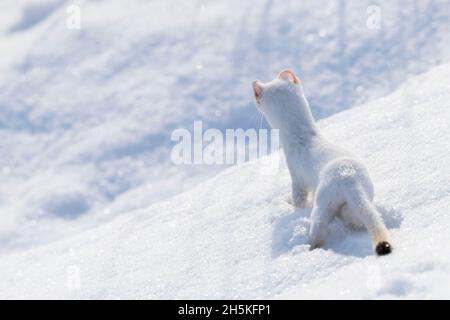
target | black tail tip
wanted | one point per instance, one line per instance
(383, 248)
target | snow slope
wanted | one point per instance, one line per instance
(235, 236)
(86, 115)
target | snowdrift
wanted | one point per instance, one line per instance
(86, 115)
(235, 236)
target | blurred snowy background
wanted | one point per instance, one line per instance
(86, 114)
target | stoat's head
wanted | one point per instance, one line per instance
(282, 100)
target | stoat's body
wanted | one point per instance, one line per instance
(337, 179)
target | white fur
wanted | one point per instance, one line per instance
(336, 180)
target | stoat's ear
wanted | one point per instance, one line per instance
(289, 75)
(258, 91)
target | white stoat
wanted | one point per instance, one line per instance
(338, 180)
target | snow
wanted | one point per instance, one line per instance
(235, 236)
(87, 114)
(91, 205)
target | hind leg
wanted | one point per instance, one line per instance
(318, 229)
(323, 212)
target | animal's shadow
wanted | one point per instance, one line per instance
(290, 233)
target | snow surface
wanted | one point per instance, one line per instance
(87, 186)
(86, 115)
(235, 236)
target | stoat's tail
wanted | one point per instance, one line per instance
(361, 205)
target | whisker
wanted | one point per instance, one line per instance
(260, 120)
